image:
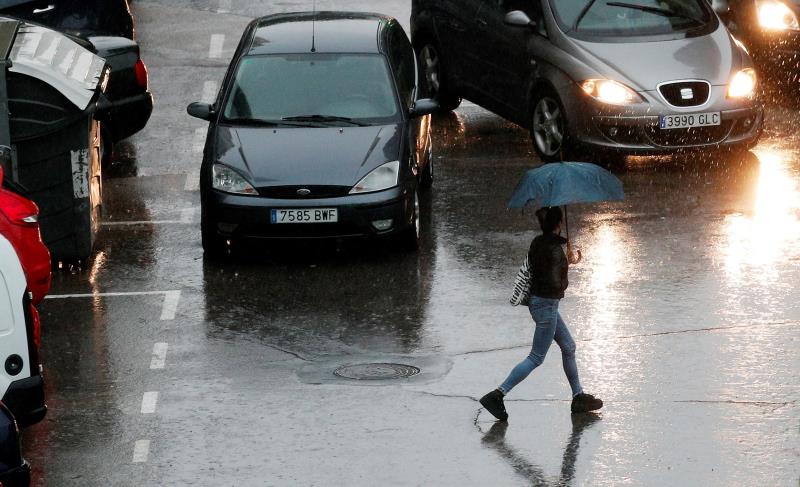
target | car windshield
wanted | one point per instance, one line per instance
(628, 18)
(315, 88)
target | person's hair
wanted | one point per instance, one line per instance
(549, 218)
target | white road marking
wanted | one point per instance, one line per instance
(187, 217)
(215, 48)
(141, 450)
(224, 6)
(159, 356)
(104, 295)
(149, 401)
(209, 92)
(199, 140)
(170, 307)
(192, 181)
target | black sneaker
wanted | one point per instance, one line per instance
(583, 403)
(493, 402)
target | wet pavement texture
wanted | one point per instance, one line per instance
(684, 310)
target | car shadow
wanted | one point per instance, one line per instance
(495, 439)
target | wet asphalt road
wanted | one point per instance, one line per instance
(684, 309)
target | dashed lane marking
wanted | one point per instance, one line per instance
(224, 6)
(192, 181)
(159, 359)
(168, 308)
(209, 91)
(149, 401)
(215, 48)
(141, 450)
(199, 139)
(187, 217)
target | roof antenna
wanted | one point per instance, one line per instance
(314, 29)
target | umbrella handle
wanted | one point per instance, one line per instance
(572, 257)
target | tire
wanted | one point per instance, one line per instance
(409, 239)
(435, 84)
(549, 130)
(427, 175)
(214, 246)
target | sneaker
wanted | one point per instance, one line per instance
(583, 403)
(493, 402)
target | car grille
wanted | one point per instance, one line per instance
(690, 136)
(291, 192)
(685, 93)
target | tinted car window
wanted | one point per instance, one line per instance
(630, 17)
(402, 57)
(273, 87)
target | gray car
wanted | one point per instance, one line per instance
(600, 77)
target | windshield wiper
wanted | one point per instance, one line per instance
(255, 122)
(324, 119)
(664, 12)
(583, 13)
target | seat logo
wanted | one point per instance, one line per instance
(687, 93)
(303, 192)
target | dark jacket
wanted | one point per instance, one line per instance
(548, 266)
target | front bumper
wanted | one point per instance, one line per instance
(248, 217)
(635, 130)
(17, 477)
(25, 399)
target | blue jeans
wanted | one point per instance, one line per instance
(549, 327)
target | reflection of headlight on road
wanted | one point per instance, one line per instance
(743, 84)
(609, 91)
(775, 15)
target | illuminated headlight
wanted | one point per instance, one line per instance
(380, 178)
(775, 15)
(609, 91)
(227, 180)
(743, 84)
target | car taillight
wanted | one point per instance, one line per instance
(142, 77)
(17, 209)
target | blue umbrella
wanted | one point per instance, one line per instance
(566, 183)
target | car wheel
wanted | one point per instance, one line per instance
(435, 79)
(549, 128)
(409, 239)
(214, 246)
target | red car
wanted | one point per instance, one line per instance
(24, 282)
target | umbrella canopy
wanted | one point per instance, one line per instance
(565, 183)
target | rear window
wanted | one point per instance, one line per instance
(632, 18)
(273, 87)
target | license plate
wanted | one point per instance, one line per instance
(689, 120)
(309, 215)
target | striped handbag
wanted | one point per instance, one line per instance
(522, 285)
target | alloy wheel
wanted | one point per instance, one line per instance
(548, 126)
(430, 62)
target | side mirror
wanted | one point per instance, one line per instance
(425, 106)
(200, 110)
(721, 7)
(518, 18)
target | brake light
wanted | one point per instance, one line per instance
(17, 209)
(142, 77)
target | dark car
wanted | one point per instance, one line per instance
(316, 132)
(106, 27)
(771, 31)
(14, 470)
(608, 78)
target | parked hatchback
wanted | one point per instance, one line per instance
(606, 77)
(317, 132)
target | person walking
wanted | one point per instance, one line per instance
(548, 270)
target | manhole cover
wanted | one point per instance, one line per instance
(376, 371)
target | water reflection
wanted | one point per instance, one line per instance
(758, 240)
(495, 439)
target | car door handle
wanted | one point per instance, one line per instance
(43, 10)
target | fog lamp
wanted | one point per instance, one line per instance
(382, 225)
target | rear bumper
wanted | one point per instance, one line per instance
(17, 477)
(129, 115)
(251, 217)
(25, 400)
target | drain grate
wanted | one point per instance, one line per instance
(376, 371)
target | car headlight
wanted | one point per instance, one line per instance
(743, 84)
(227, 180)
(610, 91)
(775, 15)
(380, 178)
